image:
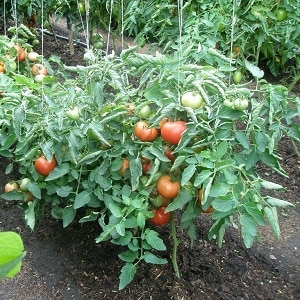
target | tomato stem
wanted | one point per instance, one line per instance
(175, 244)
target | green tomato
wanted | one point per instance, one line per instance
(23, 184)
(39, 78)
(240, 104)
(228, 103)
(98, 45)
(237, 77)
(81, 8)
(157, 201)
(281, 14)
(74, 113)
(12, 65)
(192, 99)
(144, 112)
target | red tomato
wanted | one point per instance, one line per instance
(43, 166)
(146, 165)
(160, 216)
(169, 154)
(171, 132)
(167, 188)
(143, 133)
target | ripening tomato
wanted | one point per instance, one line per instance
(169, 154)
(146, 164)
(172, 131)
(144, 133)
(125, 165)
(10, 186)
(33, 56)
(39, 69)
(27, 197)
(160, 216)
(2, 67)
(200, 195)
(167, 188)
(43, 166)
(21, 53)
(192, 99)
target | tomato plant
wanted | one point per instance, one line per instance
(160, 216)
(43, 166)
(172, 131)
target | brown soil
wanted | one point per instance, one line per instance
(67, 264)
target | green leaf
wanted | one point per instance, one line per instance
(201, 177)
(187, 174)
(69, 214)
(242, 139)
(254, 211)
(141, 220)
(82, 199)
(58, 172)
(120, 228)
(29, 214)
(34, 189)
(225, 203)
(271, 185)
(150, 258)
(219, 189)
(278, 202)
(221, 150)
(115, 210)
(249, 230)
(154, 240)
(128, 256)
(254, 70)
(179, 202)
(11, 253)
(272, 217)
(127, 274)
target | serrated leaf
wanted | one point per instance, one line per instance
(219, 189)
(141, 220)
(249, 230)
(58, 172)
(272, 217)
(81, 199)
(278, 202)
(69, 214)
(128, 256)
(187, 174)
(201, 177)
(180, 201)
(271, 185)
(242, 139)
(90, 158)
(115, 210)
(120, 228)
(254, 70)
(153, 259)
(225, 203)
(154, 240)
(127, 274)
(29, 214)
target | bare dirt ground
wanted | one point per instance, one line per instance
(68, 264)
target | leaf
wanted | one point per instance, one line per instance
(11, 253)
(141, 220)
(154, 240)
(81, 199)
(278, 202)
(242, 139)
(249, 230)
(90, 158)
(272, 217)
(128, 256)
(115, 210)
(254, 70)
(204, 175)
(180, 201)
(153, 259)
(58, 172)
(225, 203)
(187, 174)
(120, 228)
(271, 185)
(29, 214)
(69, 214)
(219, 189)
(127, 274)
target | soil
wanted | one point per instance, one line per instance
(68, 264)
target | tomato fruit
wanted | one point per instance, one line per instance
(167, 188)
(10, 186)
(160, 216)
(2, 67)
(240, 104)
(169, 154)
(21, 54)
(144, 112)
(144, 133)
(23, 184)
(27, 197)
(192, 99)
(237, 76)
(39, 69)
(43, 166)
(281, 14)
(33, 56)
(81, 8)
(146, 165)
(125, 165)
(39, 78)
(74, 113)
(200, 195)
(172, 131)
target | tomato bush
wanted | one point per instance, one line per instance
(99, 156)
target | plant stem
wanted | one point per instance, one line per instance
(175, 244)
